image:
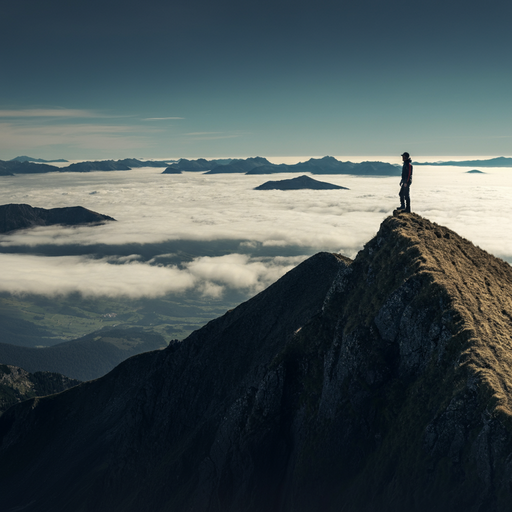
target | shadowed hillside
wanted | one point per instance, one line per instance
(86, 358)
(381, 384)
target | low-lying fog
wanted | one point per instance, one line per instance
(213, 233)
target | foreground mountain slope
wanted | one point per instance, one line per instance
(379, 385)
(88, 448)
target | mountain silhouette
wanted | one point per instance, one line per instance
(239, 166)
(499, 161)
(27, 165)
(378, 384)
(259, 165)
(298, 183)
(330, 165)
(30, 159)
(23, 216)
(13, 167)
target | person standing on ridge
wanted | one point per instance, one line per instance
(405, 184)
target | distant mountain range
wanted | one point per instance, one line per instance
(500, 161)
(256, 165)
(30, 159)
(259, 165)
(378, 384)
(299, 183)
(22, 216)
(239, 166)
(29, 166)
(86, 358)
(16, 385)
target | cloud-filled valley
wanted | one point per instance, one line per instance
(211, 233)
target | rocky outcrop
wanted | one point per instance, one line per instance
(23, 216)
(381, 384)
(17, 384)
(299, 183)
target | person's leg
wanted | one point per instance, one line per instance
(407, 197)
(402, 200)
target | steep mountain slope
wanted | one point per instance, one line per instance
(180, 395)
(379, 385)
(17, 384)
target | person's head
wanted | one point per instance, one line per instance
(405, 156)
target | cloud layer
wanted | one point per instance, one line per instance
(128, 277)
(245, 239)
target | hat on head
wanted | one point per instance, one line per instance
(406, 154)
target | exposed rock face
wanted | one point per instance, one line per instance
(299, 183)
(17, 384)
(377, 385)
(22, 216)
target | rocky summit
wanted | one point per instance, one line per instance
(381, 384)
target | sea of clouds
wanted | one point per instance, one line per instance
(214, 233)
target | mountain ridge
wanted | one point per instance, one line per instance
(499, 161)
(25, 158)
(23, 216)
(381, 383)
(27, 165)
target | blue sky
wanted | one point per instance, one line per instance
(196, 78)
